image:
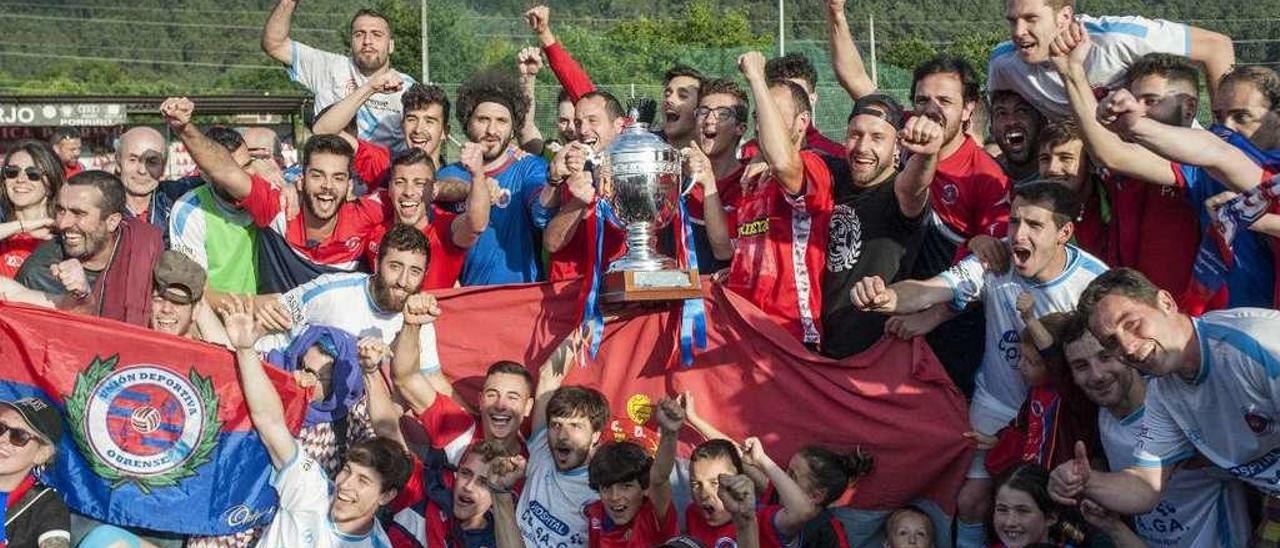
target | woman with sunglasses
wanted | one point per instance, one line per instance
(32, 176)
(32, 514)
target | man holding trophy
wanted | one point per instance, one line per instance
(641, 178)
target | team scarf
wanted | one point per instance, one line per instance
(347, 384)
(1215, 257)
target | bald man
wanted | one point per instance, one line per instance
(141, 158)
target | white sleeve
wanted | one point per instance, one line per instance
(301, 484)
(308, 65)
(1161, 443)
(428, 358)
(1129, 38)
(997, 77)
(967, 280)
(187, 232)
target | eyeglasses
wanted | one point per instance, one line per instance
(722, 113)
(17, 436)
(33, 173)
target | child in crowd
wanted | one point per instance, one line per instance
(908, 528)
(635, 508)
(710, 522)
(1024, 515)
(1056, 412)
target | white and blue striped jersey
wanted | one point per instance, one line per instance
(1117, 43)
(1228, 412)
(998, 376)
(343, 301)
(1199, 508)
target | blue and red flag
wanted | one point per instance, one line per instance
(157, 431)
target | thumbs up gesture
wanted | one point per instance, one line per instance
(1068, 481)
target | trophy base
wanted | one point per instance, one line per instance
(661, 285)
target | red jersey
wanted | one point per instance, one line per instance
(1093, 230)
(781, 249)
(970, 193)
(729, 188)
(1156, 231)
(644, 530)
(14, 251)
(445, 264)
(454, 430)
(71, 170)
(726, 536)
(343, 249)
(372, 164)
(813, 140)
(417, 519)
(570, 261)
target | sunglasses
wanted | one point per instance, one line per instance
(17, 436)
(33, 173)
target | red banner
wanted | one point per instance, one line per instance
(754, 379)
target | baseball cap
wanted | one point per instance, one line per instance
(881, 106)
(179, 278)
(40, 415)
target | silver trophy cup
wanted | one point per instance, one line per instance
(639, 177)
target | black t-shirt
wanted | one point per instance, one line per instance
(40, 512)
(869, 236)
(35, 273)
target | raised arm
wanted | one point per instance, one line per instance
(1198, 147)
(265, 408)
(569, 73)
(1040, 335)
(551, 376)
(797, 507)
(670, 414)
(339, 116)
(528, 64)
(845, 59)
(738, 495)
(502, 473)
(922, 137)
(698, 166)
(1217, 53)
(214, 162)
(1068, 54)
(419, 310)
(775, 144)
(384, 413)
(906, 297)
(564, 224)
(468, 227)
(275, 35)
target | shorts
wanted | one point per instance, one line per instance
(986, 416)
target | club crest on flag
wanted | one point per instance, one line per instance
(143, 424)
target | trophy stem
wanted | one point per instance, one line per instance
(641, 255)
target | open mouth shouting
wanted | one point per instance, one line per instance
(500, 420)
(1021, 256)
(408, 209)
(1015, 140)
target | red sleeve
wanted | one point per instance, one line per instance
(573, 79)
(372, 164)
(262, 203)
(411, 493)
(818, 197)
(448, 424)
(371, 250)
